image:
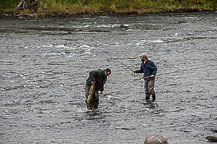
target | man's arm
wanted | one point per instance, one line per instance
(154, 69)
(139, 71)
(92, 77)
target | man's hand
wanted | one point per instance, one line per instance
(151, 76)
(92, 82)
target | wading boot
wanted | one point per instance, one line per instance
(147, 98)
(153, 97)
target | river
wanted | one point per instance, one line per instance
(44, 64)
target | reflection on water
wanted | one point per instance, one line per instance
(150, 105)
(45, 62)
(94, 114)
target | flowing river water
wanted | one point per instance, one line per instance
(44, 64)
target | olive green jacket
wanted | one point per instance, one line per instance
(99, 77)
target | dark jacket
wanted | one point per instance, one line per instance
(99, 77)
(148, 68)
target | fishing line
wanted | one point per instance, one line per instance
(167, 73)
(196, 68)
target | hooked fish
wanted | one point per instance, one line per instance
(91, 94)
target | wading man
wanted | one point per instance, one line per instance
(94, 84)
(149, 69)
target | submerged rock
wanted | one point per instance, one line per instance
(155, 139)
(122, 26)
(214, 130)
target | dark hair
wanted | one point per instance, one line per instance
(108, 70)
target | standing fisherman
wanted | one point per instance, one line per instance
(149, 69)
(94, 84)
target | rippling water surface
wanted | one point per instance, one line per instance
(44, 64)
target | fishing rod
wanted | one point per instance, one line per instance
(138, 74)
(126, 66)
(141, 77)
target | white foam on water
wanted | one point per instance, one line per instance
(108, 25)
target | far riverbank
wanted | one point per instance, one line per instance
(69, 8)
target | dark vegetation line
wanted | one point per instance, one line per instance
(94, 7)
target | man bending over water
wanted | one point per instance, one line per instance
(96, 79)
